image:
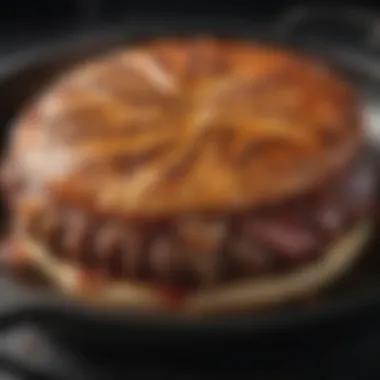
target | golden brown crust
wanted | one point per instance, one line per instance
(192, 125)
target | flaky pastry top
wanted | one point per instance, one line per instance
(186, 125)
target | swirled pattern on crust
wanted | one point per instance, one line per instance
(173, 126)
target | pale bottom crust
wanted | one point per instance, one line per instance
(248, 294)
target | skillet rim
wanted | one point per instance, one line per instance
(51, 304)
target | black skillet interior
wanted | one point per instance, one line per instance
(21, 78)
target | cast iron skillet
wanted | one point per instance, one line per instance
(23, 75)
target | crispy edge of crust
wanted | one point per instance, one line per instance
(248, 294)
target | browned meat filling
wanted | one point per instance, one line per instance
(195, 250)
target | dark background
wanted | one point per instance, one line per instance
(23, 23)
(18, 14)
